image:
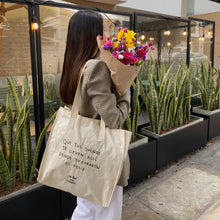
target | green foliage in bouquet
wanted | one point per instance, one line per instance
(17, 150)
(168, 96)
(131, 122)
(204, 82)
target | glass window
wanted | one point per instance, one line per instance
(15, 57)
(201, 42)
(169, 37)
(54, 24)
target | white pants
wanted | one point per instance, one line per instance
(86, 210)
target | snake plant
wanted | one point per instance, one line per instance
(16, 151)
(168, 96)
(207, 86)
(131, 122)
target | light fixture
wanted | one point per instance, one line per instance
(142, 37)
(34, 24)
(202, 38)
(184, 32)
(151, 38)
(167, 32)
(209, 32)
(138, 42)
(168, 44)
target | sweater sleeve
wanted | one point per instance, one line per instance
(112, 110)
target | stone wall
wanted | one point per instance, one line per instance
(15, 50)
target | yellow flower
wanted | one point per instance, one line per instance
(128, 35)
(115, 45)
(130, 38)
(129, 45)
(120, 34)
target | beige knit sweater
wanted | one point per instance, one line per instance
(98, 100)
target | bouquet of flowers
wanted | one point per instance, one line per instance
(123, 58)
(122, 47)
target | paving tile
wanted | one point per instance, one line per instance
(186, 190)
(207, 159)
(212, 213)
(138, 211)
(182, 195)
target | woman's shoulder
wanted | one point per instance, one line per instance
(95, 68)
(97, 64)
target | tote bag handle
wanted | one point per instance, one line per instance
(75, 108)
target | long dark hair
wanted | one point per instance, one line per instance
(84, 26)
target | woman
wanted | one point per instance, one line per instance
(97, 98)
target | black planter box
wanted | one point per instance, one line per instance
(36, 202)
(179, 142)
(213, 118)
(142, 154)
(195, 101)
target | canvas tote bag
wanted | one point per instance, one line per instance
(122, 75)
(82, 156)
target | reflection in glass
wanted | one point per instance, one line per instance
(169, 37)
(15, 58)
(201, 42)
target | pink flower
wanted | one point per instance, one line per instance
(141, 53)
(145, 47)
(108, 38)
(100, 37)
(119, 28)
(125, 61)
(128, 55)
(152, 48)
(150, 44)
(125, 30)
(115, 54)
(108, 43)
(133, 60)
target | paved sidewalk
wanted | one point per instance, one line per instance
(187, 190)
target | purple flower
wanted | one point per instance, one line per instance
(107, 47)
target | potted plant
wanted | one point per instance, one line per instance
(142, 150)
(208, 84)
(168, 101)
(16, 160)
